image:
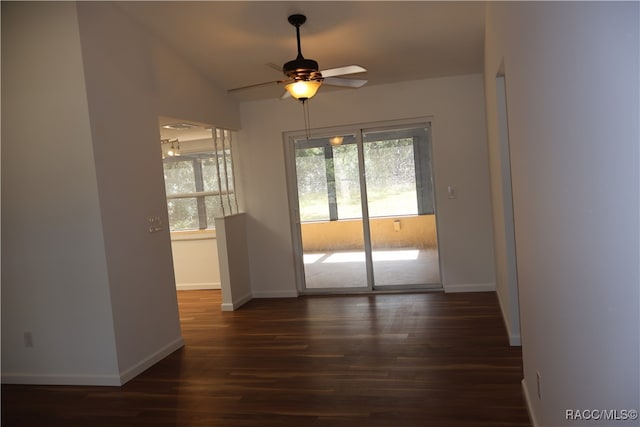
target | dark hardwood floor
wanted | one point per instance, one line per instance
(395, 360)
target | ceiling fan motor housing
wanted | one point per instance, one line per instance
(302, 69)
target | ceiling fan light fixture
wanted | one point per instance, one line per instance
(304, 76)
(303, 89)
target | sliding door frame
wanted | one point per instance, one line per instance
(357, 130)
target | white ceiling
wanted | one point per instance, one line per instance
(232, 42)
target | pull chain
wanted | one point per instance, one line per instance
(307, 121)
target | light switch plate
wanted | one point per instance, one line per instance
(452, 192)
(155, 224)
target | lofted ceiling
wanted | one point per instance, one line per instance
(232, 43)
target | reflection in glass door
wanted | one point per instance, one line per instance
(366, 210)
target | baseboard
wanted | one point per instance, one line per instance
(197, 286)
(151, 360)
(276, 294)
(237, 303)
(527, 402)
(60, 379)
(514, 339)
(97, 380)
(470, 287)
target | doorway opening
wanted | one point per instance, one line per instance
(363, 208)
(199, 184)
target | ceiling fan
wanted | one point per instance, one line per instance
(303, 75)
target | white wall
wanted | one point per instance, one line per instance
(456, 106)
(52, 242)
(131, 81)
(573, 103)
(83, 93)
(195, 260)
(234, 261)
(120, 91)
(183, 93)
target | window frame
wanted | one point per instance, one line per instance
(221, 158)
(199, 194)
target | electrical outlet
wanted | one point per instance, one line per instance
(28, 339)
(538, 384)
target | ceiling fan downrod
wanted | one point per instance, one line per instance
(297, 21)
(300, 68)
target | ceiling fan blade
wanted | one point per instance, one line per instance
(341, 71)
(337, 81)
(274, 66)
(236, 89)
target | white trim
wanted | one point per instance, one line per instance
(527, 401)
(61, 379)
(276, 294)
(514, 339)
(101, 380)
(151, 360)
(197, 286)
(193, 235)
(470, 287)
(231, 306)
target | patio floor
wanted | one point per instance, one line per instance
(391, 267)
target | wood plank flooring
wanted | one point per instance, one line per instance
(393, 360)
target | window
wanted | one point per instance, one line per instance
(397, 167)
(200, 185)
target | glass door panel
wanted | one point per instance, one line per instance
(330, 209)
(399, 190)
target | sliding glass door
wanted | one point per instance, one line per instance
(330, 209)
(401, 211)
(364, 209)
